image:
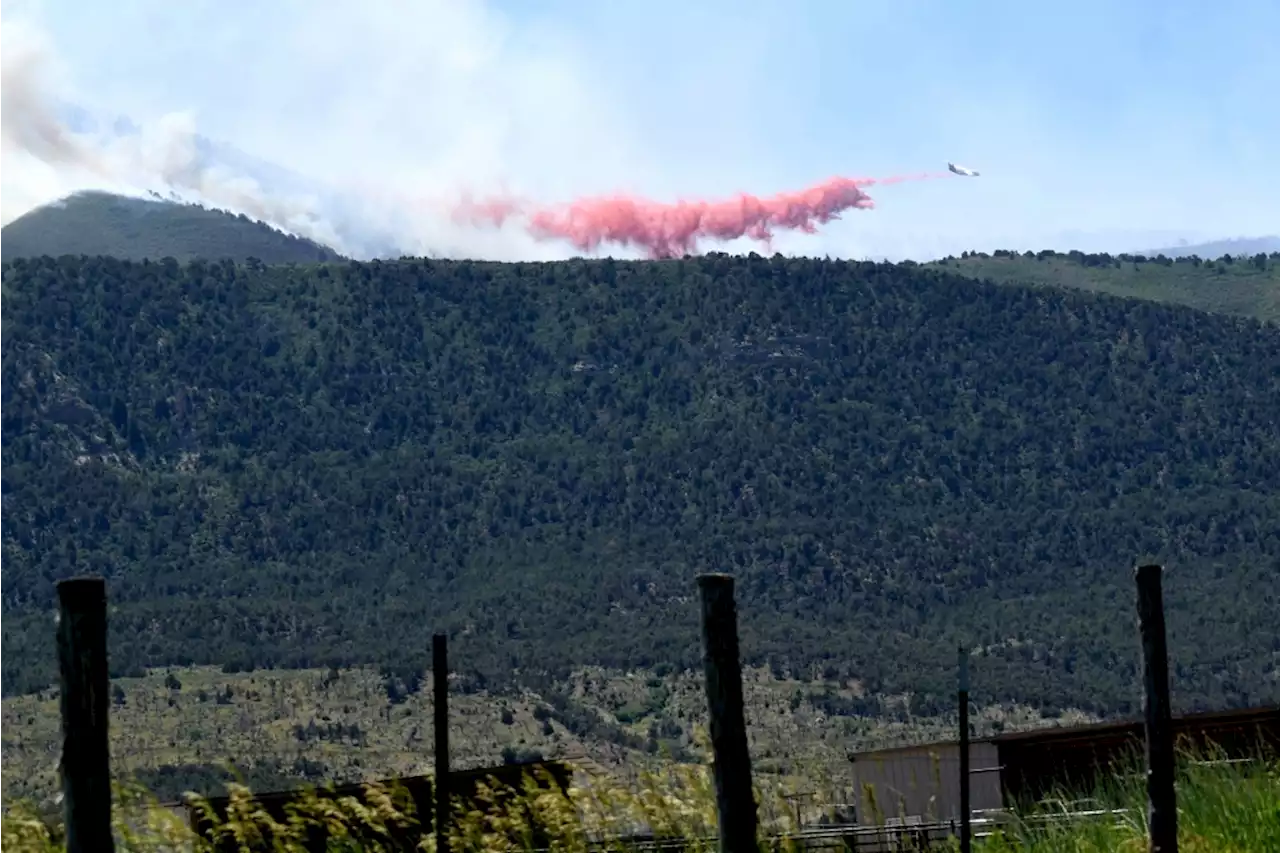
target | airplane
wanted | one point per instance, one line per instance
(961, 170)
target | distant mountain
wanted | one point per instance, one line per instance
(100, 223)
(1247, 246)
(1245, 287)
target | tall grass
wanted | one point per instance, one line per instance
(1224, 808)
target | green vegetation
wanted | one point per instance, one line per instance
(1222, 809)
(173, 729)
(1246, 287)
(316, 466)
(98, 223)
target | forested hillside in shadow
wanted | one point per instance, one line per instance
(291, 466)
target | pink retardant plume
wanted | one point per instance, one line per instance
(671, 230)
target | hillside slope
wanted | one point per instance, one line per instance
(174, 728)
(1243, 287)
(98, 223)
(288, 466)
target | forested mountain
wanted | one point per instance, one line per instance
(286, 466)
(1222, 283)
(99, 223)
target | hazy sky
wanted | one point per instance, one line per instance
(1094, 123)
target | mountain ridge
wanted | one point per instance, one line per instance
(97, 223)
(1214, 249)
(1244, 287)
(282, 466)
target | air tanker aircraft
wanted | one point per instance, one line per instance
(961, 170)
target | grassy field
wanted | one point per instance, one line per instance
(249, 719)
(1239, 288)
(1229, 808)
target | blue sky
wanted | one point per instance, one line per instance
(1095, 124)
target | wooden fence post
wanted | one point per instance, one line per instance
(735, 799)
(1162, 808)
(440, 683)
(966, 831)
(85, 704)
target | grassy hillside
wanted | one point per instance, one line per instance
(1243, 287)
(301, 467)
(98, 223)
(172, 729)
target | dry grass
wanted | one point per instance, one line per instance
(157, 726)
(1224, 809)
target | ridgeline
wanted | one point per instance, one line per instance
(1224, 284)
(99, 223)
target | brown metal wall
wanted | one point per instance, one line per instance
(1038, 764)
(924, 781)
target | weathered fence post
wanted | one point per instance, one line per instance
(85, 704)
(1162, 809)
(735, 799)
(440, 684)
(965, 810)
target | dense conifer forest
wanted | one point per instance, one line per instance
(288, 466)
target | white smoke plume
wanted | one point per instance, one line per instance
(44, 158)
(27, 122)
(394, 131)
(361, 124)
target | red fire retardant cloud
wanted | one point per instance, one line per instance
(666, 230)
